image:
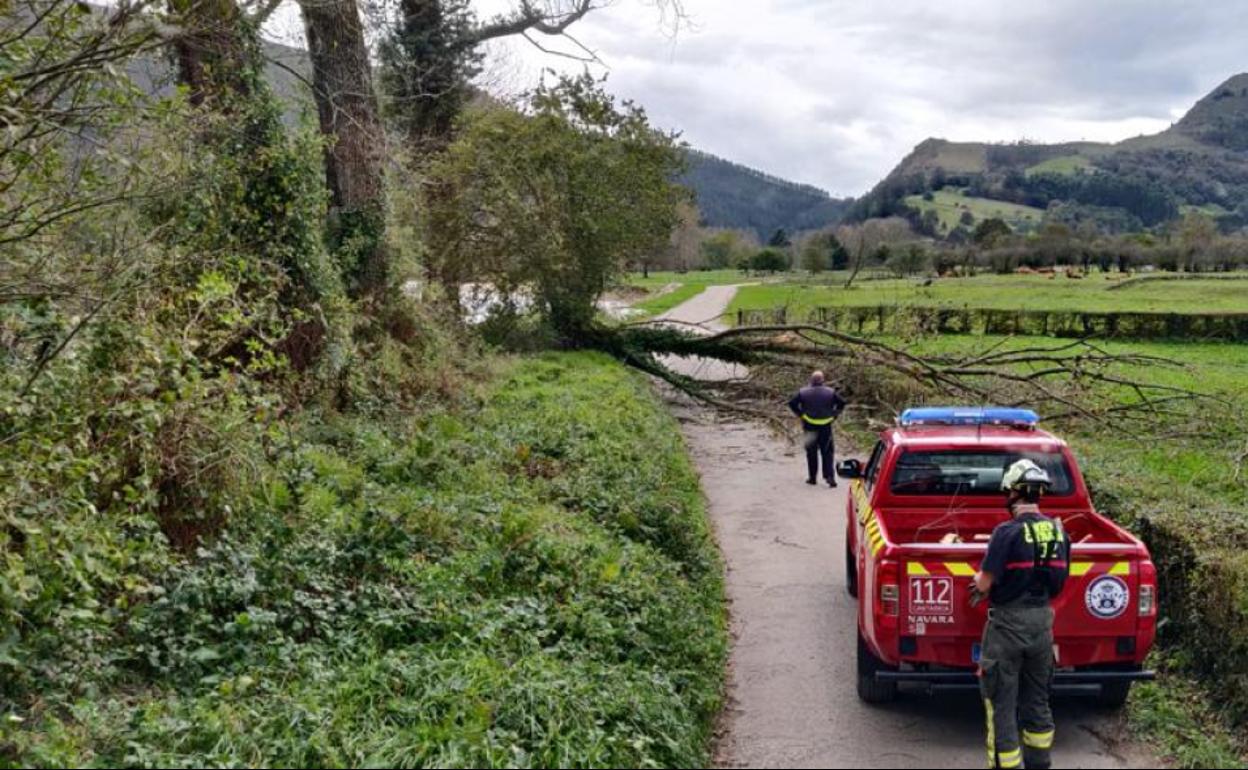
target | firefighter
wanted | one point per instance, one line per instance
(817, 405)
(1024, 570)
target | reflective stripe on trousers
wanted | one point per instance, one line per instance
(1042, 741)
(1016, 669)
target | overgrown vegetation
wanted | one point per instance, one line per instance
(261, 505)
(528, 582)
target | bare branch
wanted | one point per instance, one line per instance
(530, 18)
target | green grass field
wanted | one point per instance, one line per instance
(1032, 292)
(659, 279)
(1065, 164)
(950, 204)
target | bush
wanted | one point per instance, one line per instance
(769, 260)
(1198, 546)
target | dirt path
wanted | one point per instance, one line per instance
(792, 700)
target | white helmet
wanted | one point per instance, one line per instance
(1025, 473)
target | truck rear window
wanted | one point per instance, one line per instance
(971, 473)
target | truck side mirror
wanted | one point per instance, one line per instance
(849, 469)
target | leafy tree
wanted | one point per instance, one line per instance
(822, 251)
(812, 255)
(989, 233)
(929, 222)
(910, 259)
(967, 219)
(556, 199)
(780, 239)
(769, 260)
(720, 250)
(1053, 244)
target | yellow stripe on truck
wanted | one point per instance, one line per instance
(914, 568)
(866, 515)
(1121, 569)
(960, 569)
(1080, 568)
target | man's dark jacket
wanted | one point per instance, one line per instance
(817, 404)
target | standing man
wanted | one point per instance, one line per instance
(1026, 566)
(818, 406)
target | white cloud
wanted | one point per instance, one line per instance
(835, 92)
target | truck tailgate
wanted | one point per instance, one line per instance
(1094, 615)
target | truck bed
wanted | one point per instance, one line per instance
(920, 526)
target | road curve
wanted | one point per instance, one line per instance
(791, 690)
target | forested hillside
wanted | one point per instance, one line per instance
(1200, 163)
(730, 195)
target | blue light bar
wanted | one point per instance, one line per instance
(968, 415)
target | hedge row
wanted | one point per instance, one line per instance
(889, 319)
(1201, 554)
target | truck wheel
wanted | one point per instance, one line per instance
(1113, 695)
(869, 689)
(851, 573)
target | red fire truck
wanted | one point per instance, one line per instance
(920, 513)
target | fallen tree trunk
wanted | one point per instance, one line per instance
(1067, 380)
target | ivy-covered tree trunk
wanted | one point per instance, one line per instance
(212, 52)
(347, 106)
(427, 67)
(250, 190)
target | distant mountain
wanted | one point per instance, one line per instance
(1201, 162)
(739, 197)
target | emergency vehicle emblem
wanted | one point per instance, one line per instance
(1107, 597)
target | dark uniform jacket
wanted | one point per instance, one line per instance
(817, 404)
(1029, 559)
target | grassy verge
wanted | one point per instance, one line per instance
(659, 279)
(530, 584)
(661, 303)
(1174, 716)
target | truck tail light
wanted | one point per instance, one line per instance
(890, 591)
(890, 599)
(1148, 589)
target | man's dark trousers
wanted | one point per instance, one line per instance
(818, 440)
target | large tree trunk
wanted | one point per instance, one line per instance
(342, 82)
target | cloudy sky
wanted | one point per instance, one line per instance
(835, 92)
